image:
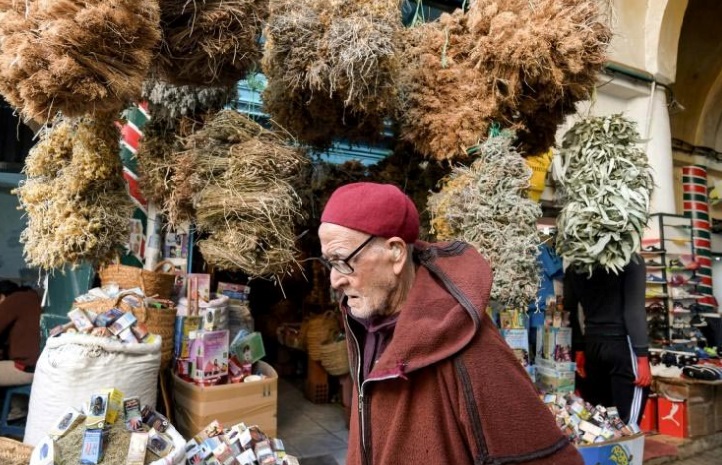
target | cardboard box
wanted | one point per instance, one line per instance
(686, 408)
(554, 377)
(629, 450)
(648, 424)
(254, 403)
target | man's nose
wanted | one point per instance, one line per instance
(337, 279)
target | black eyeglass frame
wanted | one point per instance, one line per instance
(335, 263)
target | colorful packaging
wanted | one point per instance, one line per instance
(137, 448)
(107, 318)
(122, 323)
(80, 320)
(67, 421)
(248, 348)
(247, 457)
(264, 453)
(133, 418)
(44, 452)
(184, 325)
(159, 443)
(97, 411)
(127, 336)
(154, 419)
(210, 354)
(140, 331)
(92, 452)
(115, 404)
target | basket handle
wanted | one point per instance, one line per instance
(140, 313)
(159, 266)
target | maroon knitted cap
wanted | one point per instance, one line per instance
(378, 209)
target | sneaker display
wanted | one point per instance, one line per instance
(651, 278)
(653, 264)
(678, 308)
(655, 294)
(682, 294)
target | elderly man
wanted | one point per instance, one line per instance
(434, 382)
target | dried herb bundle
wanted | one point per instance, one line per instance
(520, 63)
(169, 102)
(486, 205)
(606, 184)
(210, 42)
(74, 56)
(331, 67)
(241, 193)
(75, 197)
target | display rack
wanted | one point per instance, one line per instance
(671, 281)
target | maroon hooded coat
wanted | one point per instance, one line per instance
(447, 389)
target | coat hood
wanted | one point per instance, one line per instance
(444, 309)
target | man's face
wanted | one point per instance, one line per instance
(372, 285)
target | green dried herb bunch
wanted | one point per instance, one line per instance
(606, 184)
(486, 205)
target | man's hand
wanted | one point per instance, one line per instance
(581, 361)
(644, 374)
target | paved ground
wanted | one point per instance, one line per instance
(711, 457)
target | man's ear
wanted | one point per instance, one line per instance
(398, 253)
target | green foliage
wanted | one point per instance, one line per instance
(606, 185)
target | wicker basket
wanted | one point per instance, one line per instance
(153, 283)
(334, 357)
(160, 319)
(135, 304)
(14, 452)
(320, 329)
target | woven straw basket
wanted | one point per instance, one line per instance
(320, 329)
(14, 453)
(153, 283)
(158, 315)
(334, 358)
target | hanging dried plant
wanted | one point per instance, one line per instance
(169, 102)
(605, 183)
(331, 67)
(522, 64)
(234, 178)
(486, 205)
(75, 198)
(74, 56)
(210, 42)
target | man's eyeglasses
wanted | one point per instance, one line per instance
(341, 264)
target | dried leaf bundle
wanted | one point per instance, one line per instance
(210, 42)
(331, 67)
(520, 63)
(169, 102)
(75, 198)
(485, 204)
(235, 176)
(606, 183)
(74, 56)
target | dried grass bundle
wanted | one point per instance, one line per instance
(331, 67)
(520, 63)
(210, 42)
(75, 197)
(74, 56)
(485, 204)
(155, 159)
(168, 102)
(236, 177)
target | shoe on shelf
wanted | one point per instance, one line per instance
(676, 280)
(678, 264)
(651, 278)
(682, 294)
(653, 264)
(655, 294)
(678, 308)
